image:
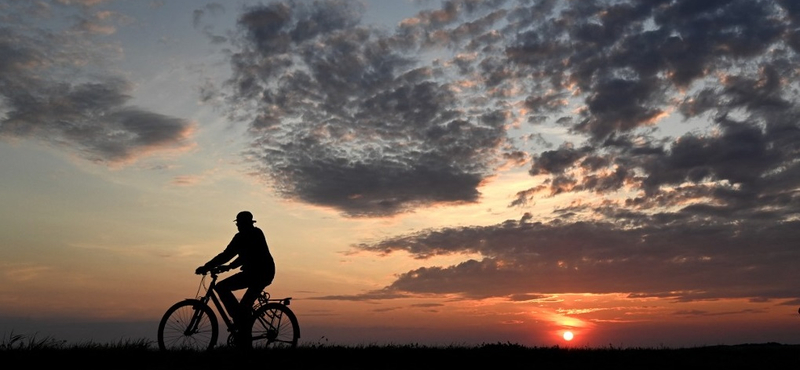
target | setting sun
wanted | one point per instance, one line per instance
(568, 335)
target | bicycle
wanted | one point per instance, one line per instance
(192, 325)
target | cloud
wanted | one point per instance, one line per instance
(24, 273)
(684, 260)
(52, 90)
(352, 117)
(197, 21)
(709, 213)
(376, 122)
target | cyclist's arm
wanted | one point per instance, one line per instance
(230, 251)
(236, 263)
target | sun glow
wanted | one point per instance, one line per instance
(568, 336)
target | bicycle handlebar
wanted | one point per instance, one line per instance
(217, 270)
(220, 269)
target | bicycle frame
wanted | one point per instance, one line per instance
(212, 296)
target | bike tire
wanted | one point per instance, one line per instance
(274, 326)
(173, 330)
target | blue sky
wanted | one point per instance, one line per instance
(423, 170)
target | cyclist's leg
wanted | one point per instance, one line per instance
(244, 339)
(257, 283)
(251, 294)
(225, 290)
(241, 312)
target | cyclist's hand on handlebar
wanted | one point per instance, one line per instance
(202, 270)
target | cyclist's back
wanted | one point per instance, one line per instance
(250, 245)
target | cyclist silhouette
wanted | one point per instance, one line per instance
(257, 268)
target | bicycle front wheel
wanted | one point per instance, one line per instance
(188, 325)
(275, 326)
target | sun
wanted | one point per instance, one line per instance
(568, 336)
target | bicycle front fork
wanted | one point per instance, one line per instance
(197, 317)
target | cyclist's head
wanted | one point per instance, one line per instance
(244, 218)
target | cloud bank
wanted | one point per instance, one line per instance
(377, 122)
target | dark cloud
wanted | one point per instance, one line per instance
(675, 260)
(709, 213)
(50, 91)
(349, 116)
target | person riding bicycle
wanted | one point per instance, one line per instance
(257, 268)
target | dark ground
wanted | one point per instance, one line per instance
(491, 356)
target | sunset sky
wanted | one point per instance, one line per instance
(429, 172)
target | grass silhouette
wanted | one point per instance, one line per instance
(144, 355)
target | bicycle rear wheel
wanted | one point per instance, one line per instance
(275, 326)
(188, 325)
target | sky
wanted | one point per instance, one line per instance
(426, 172)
